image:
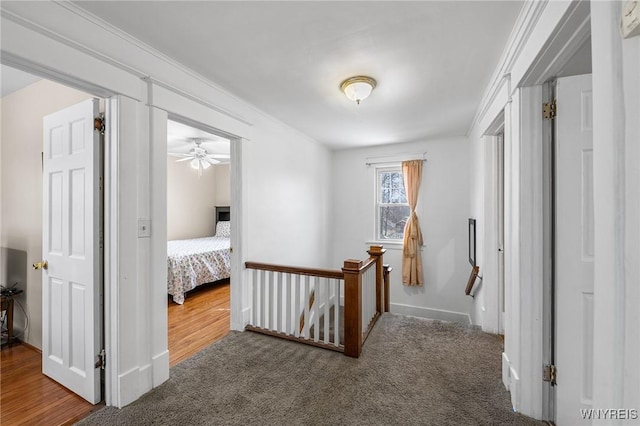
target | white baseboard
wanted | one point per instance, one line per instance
(437, 314)
(506, 371)
(133, 384)
(160, 365)
(246, 319)
(514, 388)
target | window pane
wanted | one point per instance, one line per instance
(392, 221)
(392, 188)
(386, 196)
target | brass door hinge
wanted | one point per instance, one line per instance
(549, 374)
(549, 110)
(101, 362)
(99, 124)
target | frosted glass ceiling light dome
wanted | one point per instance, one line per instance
(358, 88)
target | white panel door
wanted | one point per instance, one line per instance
(574, 248)
(71, 329)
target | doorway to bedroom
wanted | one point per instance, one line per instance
(198, 239)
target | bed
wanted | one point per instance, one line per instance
(198, 261)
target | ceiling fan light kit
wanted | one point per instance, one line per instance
(358, 88)
(198, 157)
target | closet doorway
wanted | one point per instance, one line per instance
(37, 387)
(198, 239)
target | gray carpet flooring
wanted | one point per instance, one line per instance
(412, 372)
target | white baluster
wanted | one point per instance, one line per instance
(288, 302)
(278, 305)
(263, 297)
(269, 304)
(296, 311)
(316, 310)
(254, 298)
(336, 313)
(324, 292)
(307, 317)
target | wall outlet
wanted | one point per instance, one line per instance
(144, 228)
(630, 21)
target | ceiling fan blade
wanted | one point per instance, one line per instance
(219, 156)
(179, 154)
(212, 161)
(184, 159)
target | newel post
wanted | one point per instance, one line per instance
(352, 307)
(378, 252)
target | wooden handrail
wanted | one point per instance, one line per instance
(356, 328)
(367, 263)
(314, 272)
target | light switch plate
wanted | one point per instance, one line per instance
(630, 21)
(144, 228)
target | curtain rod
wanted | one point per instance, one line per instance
(395, 158)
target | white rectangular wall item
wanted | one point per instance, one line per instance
(630, 21)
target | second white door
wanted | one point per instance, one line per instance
(574, 211)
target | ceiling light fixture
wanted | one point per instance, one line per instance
(199, 158)
(358, 88)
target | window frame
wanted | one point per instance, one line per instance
(392, 167)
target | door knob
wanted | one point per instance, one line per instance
(41, 265)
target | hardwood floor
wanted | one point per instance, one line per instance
(203, 319)
(27, 397)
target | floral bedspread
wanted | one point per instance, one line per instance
(195, 262)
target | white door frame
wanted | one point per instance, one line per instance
(493, 320)
(525, 334)
(238, 237)
(209, 118)
(109, 163)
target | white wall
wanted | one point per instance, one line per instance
(22, 113)
(443, 206)
(222, 185)
(289, 196)
(191, 200)
(616, 167)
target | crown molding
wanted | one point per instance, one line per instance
(523, 28)
(13, 17)
(108, 27)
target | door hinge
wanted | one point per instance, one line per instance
(549, 110)
(99, 123)
(102, 360)
(549, 374)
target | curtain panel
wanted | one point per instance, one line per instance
(411, 258)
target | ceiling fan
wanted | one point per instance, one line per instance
(199, 158)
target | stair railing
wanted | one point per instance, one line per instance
(333, 309)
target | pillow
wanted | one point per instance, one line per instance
(223, 229)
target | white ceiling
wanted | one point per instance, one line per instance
(180, 139)
(432, 59)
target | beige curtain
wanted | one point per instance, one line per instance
(411, 259)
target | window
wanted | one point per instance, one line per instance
(392, 209)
